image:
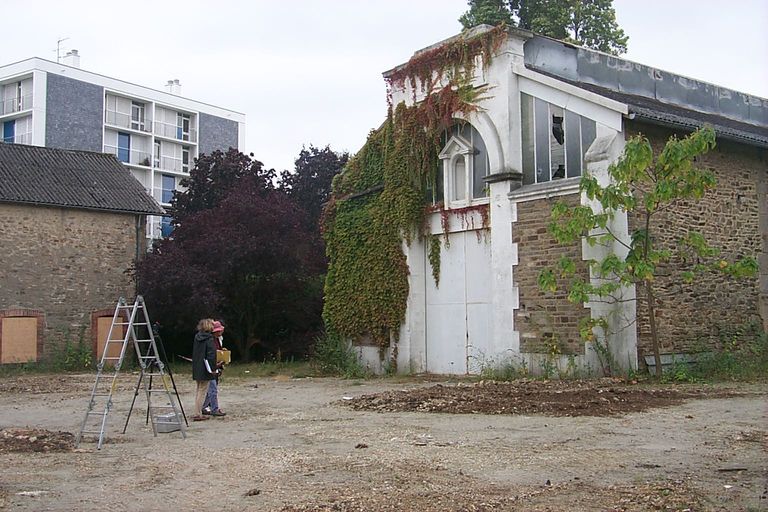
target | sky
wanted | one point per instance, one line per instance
(309, 71)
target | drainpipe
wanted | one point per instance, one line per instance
(138, 221)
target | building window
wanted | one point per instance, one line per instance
(19, 96)
(185, 158)
(169, 185)
(156, 159)
(554, 140)
(123, 147)
(137, 115)
(465, 164)
(9, 131)
(182, 126)
(166, 228)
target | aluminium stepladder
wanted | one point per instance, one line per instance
(134, 318)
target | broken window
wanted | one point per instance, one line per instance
(554, 141)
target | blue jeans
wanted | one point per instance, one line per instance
(212, 398)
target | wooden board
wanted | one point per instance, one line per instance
(19, 340)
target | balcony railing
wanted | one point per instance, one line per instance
(12, 105)
(172, 131)
(123, 120)
(19, 138)
(129, 156)
(162, 196)
(169, 163)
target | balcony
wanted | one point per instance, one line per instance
(171, 131)
(169, 163)
(129, 156)
(122, 120)
(11, 105)
(162, 195)
(19, 138)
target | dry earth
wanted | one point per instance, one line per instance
(332, 445)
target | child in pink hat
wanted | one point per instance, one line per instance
(211, 404)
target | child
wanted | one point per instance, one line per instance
(211, 404)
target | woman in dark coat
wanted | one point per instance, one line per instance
(203, 364)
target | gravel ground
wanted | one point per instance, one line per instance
(333, 445)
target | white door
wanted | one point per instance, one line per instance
(459, 309)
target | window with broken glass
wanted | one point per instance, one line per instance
(555, 141)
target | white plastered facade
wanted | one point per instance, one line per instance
(426, 330)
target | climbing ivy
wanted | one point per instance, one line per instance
(379, 200)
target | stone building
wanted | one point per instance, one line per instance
(156, 134)
(553, 111)
(71, 224)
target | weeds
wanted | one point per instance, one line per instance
(335, 356)
(743, 355)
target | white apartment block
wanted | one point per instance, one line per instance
(156, 134)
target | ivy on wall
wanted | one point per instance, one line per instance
(380, 199)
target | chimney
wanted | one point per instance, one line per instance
(72, 58)
(174, 87)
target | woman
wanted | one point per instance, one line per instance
(203, 364)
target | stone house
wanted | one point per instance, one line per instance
(71, 224)
(553, 111)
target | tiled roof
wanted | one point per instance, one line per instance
(74, 179)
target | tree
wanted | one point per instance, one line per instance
(643, 186)
(488, 12)
(589, 23)
(213, 177)
(243, 253)
(310, 183)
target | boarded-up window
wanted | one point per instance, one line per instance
(19, 340)
(103, 324)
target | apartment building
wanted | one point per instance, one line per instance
(156, 134)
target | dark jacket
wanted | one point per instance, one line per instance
(202, 350)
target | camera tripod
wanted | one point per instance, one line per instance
(162, 359)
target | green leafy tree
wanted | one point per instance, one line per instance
(589, 23)
(488, 12)
(644, 186)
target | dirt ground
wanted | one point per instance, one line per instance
(290, 445)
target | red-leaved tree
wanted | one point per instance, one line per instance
(242, 253)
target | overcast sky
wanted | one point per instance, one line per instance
(309, 71)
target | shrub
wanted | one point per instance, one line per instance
(334, 355)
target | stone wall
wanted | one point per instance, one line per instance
(699, 316)
(544, 319)
(66, 263)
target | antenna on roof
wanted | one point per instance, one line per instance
(58, 48)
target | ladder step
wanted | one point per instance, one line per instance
(91, 432)
(96, 413)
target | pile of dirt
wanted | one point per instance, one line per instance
(35, 440)
(604, 397)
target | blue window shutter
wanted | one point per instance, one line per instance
(123, 147)
(9, 131)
